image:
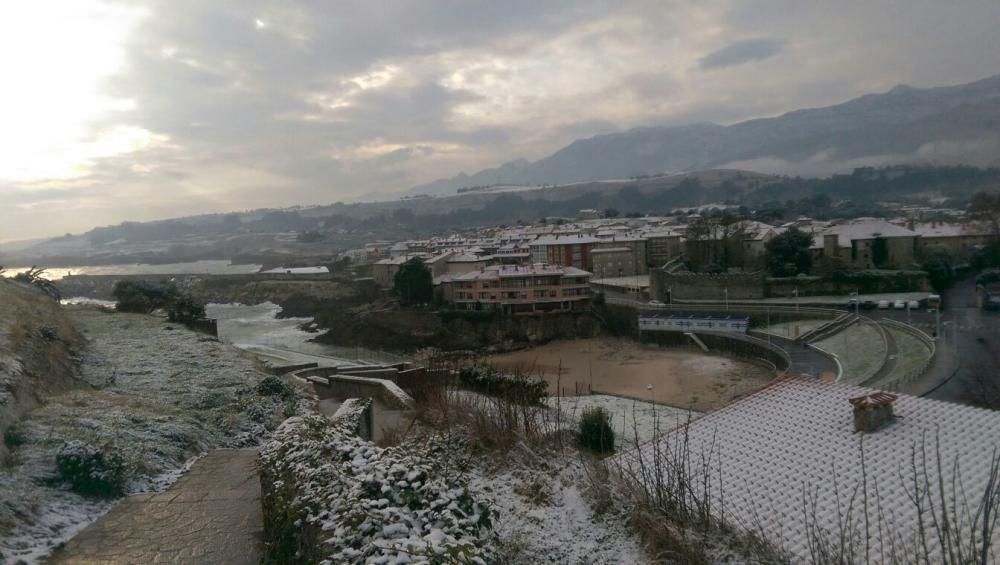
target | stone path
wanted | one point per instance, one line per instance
(210, 515)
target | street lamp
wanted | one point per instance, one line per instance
(795, 293)
(725, 294)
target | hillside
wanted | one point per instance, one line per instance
(37, 343)
(944, 125)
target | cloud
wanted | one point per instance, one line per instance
(225, 105)
(742, 52)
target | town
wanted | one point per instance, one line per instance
(500, 283)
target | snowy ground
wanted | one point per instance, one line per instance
(158, 394)
(632, 420)
(545, 516)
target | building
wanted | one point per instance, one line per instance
(588, 214)
(958, 240)
(662, 247)
(796, 458)
(636, 247)
(384, 271)
(695, 323)
(612, 262)
(565, 250)
(515, 289)
(867, 244)
(461, 263)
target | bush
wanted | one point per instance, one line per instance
(92, 470)
(518, 388)
(185, 309)
(13, 438)
(142, 297)
(275, 386)
(595, 430)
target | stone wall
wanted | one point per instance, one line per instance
(866, 282)
(702, 286)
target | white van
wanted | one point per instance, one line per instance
(883, 304)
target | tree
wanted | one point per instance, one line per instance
(413, 282)
(985, 206)
(939, 266)
(611, 213)
(788, 254)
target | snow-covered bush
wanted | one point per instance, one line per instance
(275, 386)
(595, 430)
(90, 469)
(332, 497)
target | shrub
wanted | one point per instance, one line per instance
(13, 438)
(35, 276)
(185, 309)
(142, 297)
(595, 430)
(275, 386)
(93, 470)
(517, 387)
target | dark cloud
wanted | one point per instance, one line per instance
(269, 103)
(742, 52)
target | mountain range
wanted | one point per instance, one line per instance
(934, 126)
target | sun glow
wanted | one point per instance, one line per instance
(54, 56)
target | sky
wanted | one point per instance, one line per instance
(117, 110)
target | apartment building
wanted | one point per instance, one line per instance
(517, 289)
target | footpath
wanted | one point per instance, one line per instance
(210, 515)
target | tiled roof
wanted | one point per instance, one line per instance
(794, 440)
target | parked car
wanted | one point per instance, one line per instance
(883, 304)
(869, 305)
(913, 305)
(899, 304)
(656, 303)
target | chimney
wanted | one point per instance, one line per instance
(872, 411)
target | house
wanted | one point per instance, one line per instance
(959, 240)
(803, 458)
(567, 250)
(588, 214)
(613, 262)
(384, 271)
(662, 246)
(516, 289)
(867, 243)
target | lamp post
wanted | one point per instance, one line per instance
(795, 292)
(725, 294)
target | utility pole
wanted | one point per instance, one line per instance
(795, 291)
(725, 293)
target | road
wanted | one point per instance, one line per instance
(968, 348)
(805, 360)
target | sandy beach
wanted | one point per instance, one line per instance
(622, 367)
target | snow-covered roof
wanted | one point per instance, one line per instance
(298, 270)
(796, 436)
(494, 272)
(565, 240)
(942, 229)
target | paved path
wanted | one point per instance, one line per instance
(806, 360)
(211, 515)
